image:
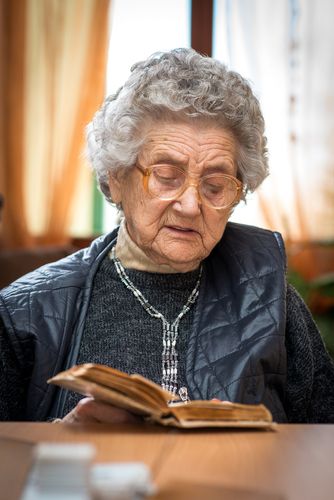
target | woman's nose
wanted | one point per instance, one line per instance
(189, 201)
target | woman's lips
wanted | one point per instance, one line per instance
(186, 231)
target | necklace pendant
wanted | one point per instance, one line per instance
(183, 393)
(170, 330)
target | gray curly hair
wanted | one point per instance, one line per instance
(177, 85)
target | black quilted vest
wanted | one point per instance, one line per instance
(236, 347)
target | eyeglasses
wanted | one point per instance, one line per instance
(168, 182)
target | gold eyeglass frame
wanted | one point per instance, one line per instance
(146, 172)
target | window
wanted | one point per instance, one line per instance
(137, 29)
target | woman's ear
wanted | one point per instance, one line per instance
(115, 180)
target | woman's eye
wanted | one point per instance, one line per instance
(214, 188)
(167, 176)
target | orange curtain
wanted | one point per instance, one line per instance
(53, 79)
(12, 42)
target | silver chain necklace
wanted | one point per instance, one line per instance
(170, 330)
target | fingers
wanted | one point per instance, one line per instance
(89, 411)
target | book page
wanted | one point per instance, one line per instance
(145, 393)
(225, 411)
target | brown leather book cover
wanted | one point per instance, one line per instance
(143, 397)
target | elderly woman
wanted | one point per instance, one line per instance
(176, 293)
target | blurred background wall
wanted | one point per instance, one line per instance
(59, 58)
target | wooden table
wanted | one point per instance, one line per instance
(296, 462)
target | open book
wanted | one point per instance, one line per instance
(143, 397)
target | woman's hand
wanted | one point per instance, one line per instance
(90, 411)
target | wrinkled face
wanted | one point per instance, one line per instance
(181, 232)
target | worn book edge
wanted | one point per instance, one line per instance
(143, 397)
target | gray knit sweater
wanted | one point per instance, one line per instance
(133, 343)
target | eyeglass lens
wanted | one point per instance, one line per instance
(167, 182)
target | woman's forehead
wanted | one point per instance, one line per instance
(186, 138)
